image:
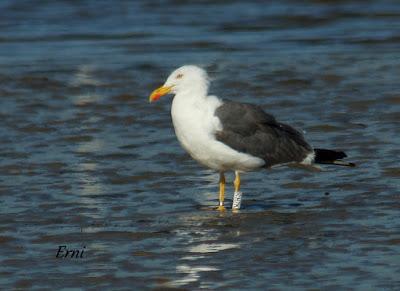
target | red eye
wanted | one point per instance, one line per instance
(179, 76)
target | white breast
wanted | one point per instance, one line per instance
(195, 125)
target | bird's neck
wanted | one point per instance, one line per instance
(193, 93)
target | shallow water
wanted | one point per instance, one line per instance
(87, 161)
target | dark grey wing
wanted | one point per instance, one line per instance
(248, 129)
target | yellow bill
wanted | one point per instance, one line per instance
(156, 94)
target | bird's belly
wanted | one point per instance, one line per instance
(205, 149)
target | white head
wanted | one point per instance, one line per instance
(186, 79)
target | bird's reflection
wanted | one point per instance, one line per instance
(203, 238)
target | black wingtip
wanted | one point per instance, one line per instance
(323, 156)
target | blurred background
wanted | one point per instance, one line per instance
(87, 161)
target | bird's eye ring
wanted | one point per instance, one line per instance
(179, 76)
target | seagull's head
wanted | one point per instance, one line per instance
(189, 78)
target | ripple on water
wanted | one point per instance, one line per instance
(87, 161)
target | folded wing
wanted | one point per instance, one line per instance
(248, 129)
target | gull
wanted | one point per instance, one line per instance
(224, 135)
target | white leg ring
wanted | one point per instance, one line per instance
(237, 200)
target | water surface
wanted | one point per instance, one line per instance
(86, 161)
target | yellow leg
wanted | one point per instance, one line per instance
(237, 196)
(221, 206)
(236, 183)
